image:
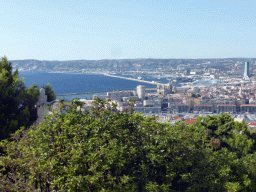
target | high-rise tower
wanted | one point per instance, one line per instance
(141, 91)
(246, 70)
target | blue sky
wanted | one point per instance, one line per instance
(124, 29)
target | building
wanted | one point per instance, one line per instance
(147, 109)
(251, 125)
(205, 108)
(41, 105)
(155, 103)
(248, 108)
(164, 89)
(179, 108)
(125, 99)
(190, 120)
(174, 100)
(141, 91)
(246, 70)
(117, 95)
(226, 108)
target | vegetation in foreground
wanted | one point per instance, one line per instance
(17, 103)
(104, 150)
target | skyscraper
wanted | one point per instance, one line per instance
(246, 70)
(141, 91)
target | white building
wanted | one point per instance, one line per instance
(141, 91)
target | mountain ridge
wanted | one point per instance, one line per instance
(119, 64)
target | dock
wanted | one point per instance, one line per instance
(132, 79)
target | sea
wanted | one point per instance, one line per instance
(70, 85)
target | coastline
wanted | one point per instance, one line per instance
(108, 75)
(69, 85)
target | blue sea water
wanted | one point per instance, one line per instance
(64, 83)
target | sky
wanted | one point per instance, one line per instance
(127, 29)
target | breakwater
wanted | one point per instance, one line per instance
(132, 79)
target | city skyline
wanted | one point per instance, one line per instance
(127, 29)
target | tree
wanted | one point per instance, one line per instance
(51, 96)
(193, 95)
(105, 150)
(17, 104)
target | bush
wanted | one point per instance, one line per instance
(104, 150)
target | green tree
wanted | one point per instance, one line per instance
(104, 150)
(17, 104)
(51, 96)
(193, 95)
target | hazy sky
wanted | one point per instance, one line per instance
(120, 29)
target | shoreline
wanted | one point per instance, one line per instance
(108, 75)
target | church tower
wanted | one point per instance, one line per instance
(41, 105)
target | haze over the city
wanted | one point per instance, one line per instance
(122, 29)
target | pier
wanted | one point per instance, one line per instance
(127, 78)
(132, 79)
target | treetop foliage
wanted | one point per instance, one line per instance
(104, 150)
(51, 96)
(17, 103)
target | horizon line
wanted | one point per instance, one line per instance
(139, 58)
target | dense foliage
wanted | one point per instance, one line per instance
(17, 103)
(104, 150)
(49, 92)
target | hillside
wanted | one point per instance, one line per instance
(118, 65)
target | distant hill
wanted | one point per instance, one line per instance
(120, 64)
